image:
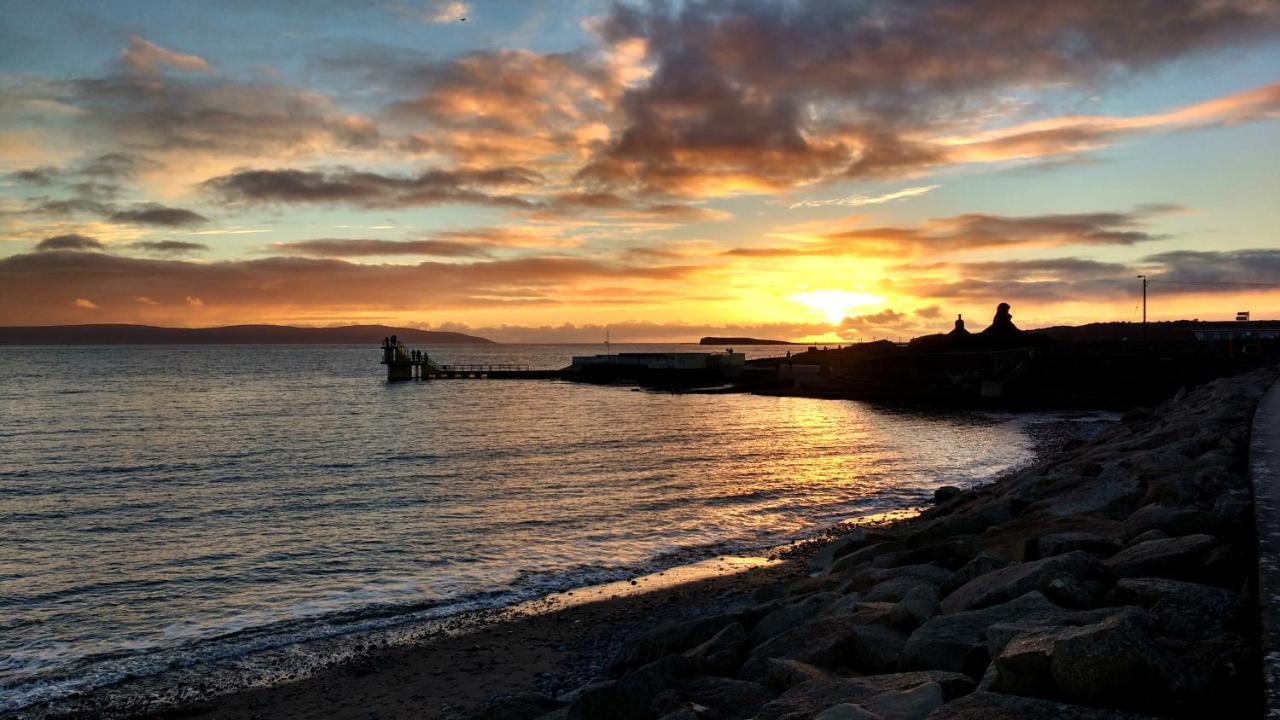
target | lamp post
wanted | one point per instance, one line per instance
(1145, 282)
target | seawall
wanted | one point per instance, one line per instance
(1264, 474)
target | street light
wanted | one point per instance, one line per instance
(1145, 282)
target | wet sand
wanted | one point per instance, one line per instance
(551, 645)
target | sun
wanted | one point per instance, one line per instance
(836, 304)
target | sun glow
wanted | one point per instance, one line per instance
(835, 305)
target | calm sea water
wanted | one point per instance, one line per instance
(161, 506)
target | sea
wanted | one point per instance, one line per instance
(164, 508)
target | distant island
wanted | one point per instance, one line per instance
(740, 341)
(232, 335)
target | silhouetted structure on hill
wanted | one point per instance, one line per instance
(958, 331)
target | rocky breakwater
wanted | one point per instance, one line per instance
(1112, 581)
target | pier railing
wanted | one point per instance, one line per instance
(500, 367)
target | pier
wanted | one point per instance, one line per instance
(405, 364)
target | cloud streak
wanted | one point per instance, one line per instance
(861, 200)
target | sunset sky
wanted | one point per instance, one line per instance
(532, 170)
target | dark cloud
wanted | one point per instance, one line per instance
(976, 231)
(51, 280)
(167, 247)
(154, 214)
(39, 176)
(368, 189)
(1209, 271)
(157, 114)
(766, 93)
(371, 248)
(1069, 267)
(69, 242)
(72, 206)
(614, 206)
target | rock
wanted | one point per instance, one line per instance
(780, 673)
(1178, 558)
(1024, 666)
(791, 615)
(821, 641)
(914, 704)
(1168, 519)
(1114, 493)
(1111, 663)
(914, 609)
(928, 574)
(958, 642)
(895, 589)
(810, 698)
(874, 649)
(995, 706)
(823, 583)
(846, 711)
(951, 554)
(945, 493)
(853, 561)
(724, 653)
(668, 639)
(1062, 543)
(729, 699)
(980, 565)
(519, 707)
(836, 641)
(821, 560)
(1148, 535)
(596, 702)
(631, 696)
(1183, 609)
(1008, 583)
(1001, 633)
(561, 714)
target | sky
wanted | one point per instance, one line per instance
(836, 170)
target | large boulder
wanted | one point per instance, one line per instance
(790, 615)
(1112, 663)
(996, 706)
(821, 560)
(519, 707)
(912, 704)
(1170, 519)
(632, 696)
(958, 642)
(1002, 585)
(922, 573)
(669, 639)
(810, 698)
(724, 653)
(727, 698)
(1184, 609)
(1061, 543)
(1178, 558)
(781, 673)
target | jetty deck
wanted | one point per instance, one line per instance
(405, 364)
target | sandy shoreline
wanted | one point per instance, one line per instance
(551, 646)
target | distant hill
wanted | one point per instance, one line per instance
(231, 335)
(740, 341)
